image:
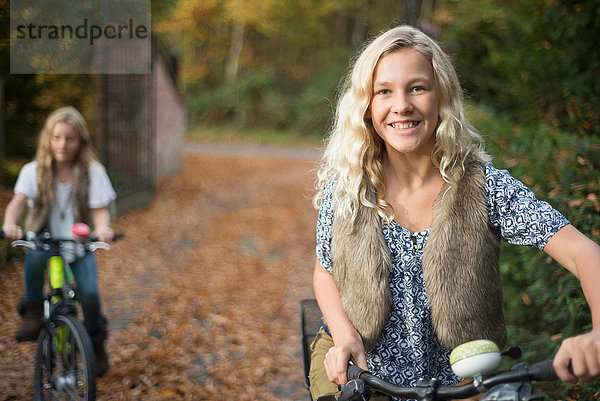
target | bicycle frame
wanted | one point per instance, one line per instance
(57, 272)
(60, 277)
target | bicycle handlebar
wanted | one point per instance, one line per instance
(541, 371)
(117, 236)
(43, 240)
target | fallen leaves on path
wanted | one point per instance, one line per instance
(202, 294)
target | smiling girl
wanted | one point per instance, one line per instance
(411, 214)
(63, 185)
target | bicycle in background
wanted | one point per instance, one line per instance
(65, 365)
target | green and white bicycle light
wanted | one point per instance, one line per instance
(475, 358)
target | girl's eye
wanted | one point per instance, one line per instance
(383, 92)
(417, 89)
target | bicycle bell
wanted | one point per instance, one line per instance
(475, 358)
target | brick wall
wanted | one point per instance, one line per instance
(142, 127)
(170, 120)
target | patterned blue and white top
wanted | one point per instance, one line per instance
(409, 348)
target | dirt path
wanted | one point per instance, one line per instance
(202, 295)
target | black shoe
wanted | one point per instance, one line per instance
(32, 313)
(101, 359)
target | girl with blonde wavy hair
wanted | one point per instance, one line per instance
(411, 214)
(44, 156)
(63, 185)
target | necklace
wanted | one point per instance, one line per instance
(63, 207)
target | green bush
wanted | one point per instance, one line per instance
(534, 61)
(213, 106)
(543, 302)
(316, 102)
(260, 99)
(256, 101)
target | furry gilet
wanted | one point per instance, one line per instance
(460, 266)
(39, 214)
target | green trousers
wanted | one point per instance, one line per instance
(319, 383)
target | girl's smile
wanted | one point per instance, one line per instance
(400, 125)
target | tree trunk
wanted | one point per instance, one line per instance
(426, 10)
(2, 132)
(235, 49)
(412, 12)
(360, 23)
(341, 26)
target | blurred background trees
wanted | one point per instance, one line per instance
(277, 63)
(267, 62)
(272, 63)
(530, 70)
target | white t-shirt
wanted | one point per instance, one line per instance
(100, 194)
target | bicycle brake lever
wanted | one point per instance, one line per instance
(26, 244)
(355, 390)
(512, 352)
(93, 246)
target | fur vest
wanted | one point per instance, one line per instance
(39, 214)
(460, 266)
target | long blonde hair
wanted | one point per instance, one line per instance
(45, 161)
(354, 152)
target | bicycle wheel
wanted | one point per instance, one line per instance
(65, 368)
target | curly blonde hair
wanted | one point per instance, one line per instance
(354, 152)
(45, 161)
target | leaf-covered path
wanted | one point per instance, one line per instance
(202, 294)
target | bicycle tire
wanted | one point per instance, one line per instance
(65, 366)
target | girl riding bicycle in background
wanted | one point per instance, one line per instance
(411, 214)
(63, 185)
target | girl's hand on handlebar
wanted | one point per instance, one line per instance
(579, 358)
(12, 232)
(336, 359)
(104, 233)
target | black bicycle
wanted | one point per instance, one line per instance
(474, 360)
(511, 385)
(65, 365)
